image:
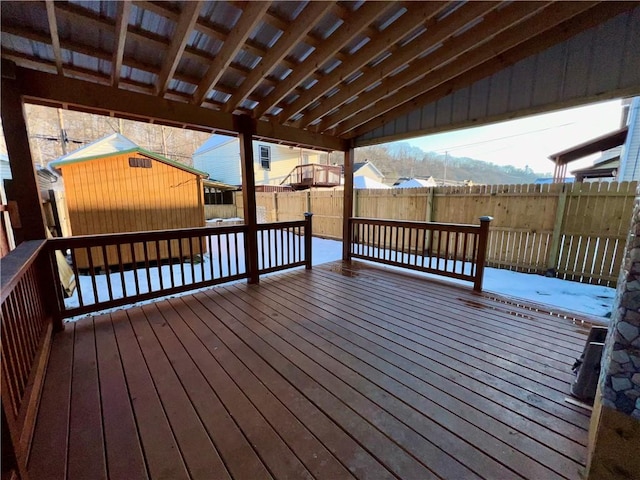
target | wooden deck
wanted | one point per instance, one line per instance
(331, 373)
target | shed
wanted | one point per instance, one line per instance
(115, 186)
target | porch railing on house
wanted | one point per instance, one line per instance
(313, 175)
(451, 250)
(28, 320)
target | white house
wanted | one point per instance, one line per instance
(219, 156)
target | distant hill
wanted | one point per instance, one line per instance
(400, 159)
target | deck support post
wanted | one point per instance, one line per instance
(483, 240)
(246, 127)
(347, 209)
(25, 189)
(308, 240)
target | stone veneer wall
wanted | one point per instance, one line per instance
(620, 377)
(614, 436)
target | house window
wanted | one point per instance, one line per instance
(265, 157)
(305, 159)
(136, 162)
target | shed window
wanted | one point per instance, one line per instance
(213, 196)
(265, 157)
(136, 162)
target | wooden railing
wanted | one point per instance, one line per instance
(284, 245)
(28, 319)
(119, 269)
(450, 250)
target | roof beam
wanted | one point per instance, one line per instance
(418, 13)
(291, 36)
(497, 34)
(181, 35)
(122, 22)
(38, 87)
(234, 42)
(361, 19)
(442, 30)
(559, 33)
(55, 38)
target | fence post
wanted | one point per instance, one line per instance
(308, 240)
(482, 252)
(554, 250)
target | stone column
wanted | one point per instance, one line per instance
(614, 436)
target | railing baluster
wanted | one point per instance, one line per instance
(171, 275)
(262, 249)
(121, 270)
(236, 256)
(464, 251)
(76, 274)
(18, 351)
(288, 246)
(147, 268)
(201, 258)
(92, 273)
(219, 254)
(181, 253)
(228, 255)
(211, 267)
(134, 264)
(107, 272)
(191, 260)
(281, 247)
(159, 264)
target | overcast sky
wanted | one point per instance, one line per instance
(529, 141)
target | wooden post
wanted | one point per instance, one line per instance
(347, 209)
(482, 252)
(308, 240)
(275, 206)
(554, 250)
(27, 195)
(246, 127)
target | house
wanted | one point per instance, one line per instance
(417, 183)
(219, 156)
(619, 152)
(369, 170)
(114, 186)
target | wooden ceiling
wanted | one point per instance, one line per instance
(328, 68)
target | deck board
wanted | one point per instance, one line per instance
(334, 373)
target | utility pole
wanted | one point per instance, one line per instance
(63, 133)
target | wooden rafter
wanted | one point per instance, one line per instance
(583, 21)
(473, 40)
(418, 13)
(507, 33)
(45, 88)
(439, 32)
(55, 38)
(361, 19)
(181, 34)
(276, 54)
(122, 21)
(250, 17)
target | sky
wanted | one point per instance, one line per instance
(529, 141)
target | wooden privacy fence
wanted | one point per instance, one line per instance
(577, 231)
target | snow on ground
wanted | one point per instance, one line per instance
(571, 296)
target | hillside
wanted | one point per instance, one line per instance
(400, 159)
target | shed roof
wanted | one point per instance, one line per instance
(115, 144)
(362, 182)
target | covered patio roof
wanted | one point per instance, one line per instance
(321, 74)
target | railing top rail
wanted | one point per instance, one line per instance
(134, 237)
(16, 264)
(413, 223)
(292, 223)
